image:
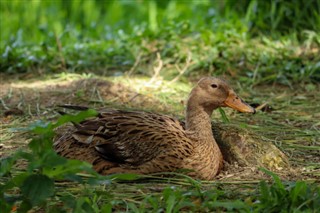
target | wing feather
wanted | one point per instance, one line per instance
(132, 137)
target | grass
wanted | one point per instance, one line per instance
(221, 43)
(298, 137)
(269, 51)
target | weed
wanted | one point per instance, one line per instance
(291, 197)
(44, 166)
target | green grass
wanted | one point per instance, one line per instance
(255, 44)
(220, 36)
(68, 188)
(39, 186)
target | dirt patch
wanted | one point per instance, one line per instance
(38, 97)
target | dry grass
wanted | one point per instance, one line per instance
(291, 122)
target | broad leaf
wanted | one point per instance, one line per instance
(37, 188)
(75, 118)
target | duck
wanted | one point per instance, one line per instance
(123, 141)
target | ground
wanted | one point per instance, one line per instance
(290, 120)
(287, 117)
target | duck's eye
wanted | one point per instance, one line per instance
(214, 85)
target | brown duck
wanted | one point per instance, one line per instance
(117, 141)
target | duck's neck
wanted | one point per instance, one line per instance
(207, 154)
(198, 121)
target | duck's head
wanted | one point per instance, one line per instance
(211, 93)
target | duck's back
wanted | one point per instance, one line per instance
(117, 137)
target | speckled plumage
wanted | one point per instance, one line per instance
(117, 141)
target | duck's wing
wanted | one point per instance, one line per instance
(133, 137)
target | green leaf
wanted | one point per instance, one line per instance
(275, 177)
(26, 155)
(5, 206)
(25, 206)
(68, 201)
(37, 188)
(264, 189)
(153, 201)
(68, 167)
(19, 179)
(6, 164)
(223, 116)
(75, 118)
(41, 127)
(170, 203)
(41, 145)
(299, 190)
(84, 205)
(106, 208)
(14, 182)
(51, 159)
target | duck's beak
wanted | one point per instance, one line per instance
(233, 101)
